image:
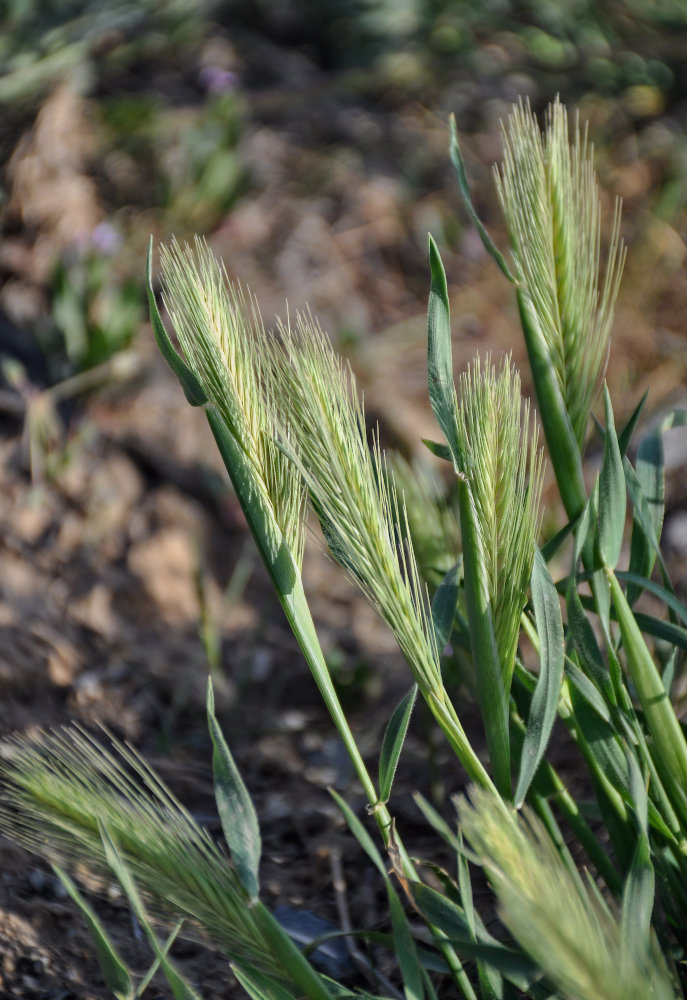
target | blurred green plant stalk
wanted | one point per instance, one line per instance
(291, 430)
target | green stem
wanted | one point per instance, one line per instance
(285, 576)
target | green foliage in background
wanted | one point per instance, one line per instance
(590, 893)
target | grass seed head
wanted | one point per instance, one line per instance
(504, 466)
(549, 197)
(557, 918)
(225, 343)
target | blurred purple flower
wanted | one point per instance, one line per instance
(105, 239)
(216, 80)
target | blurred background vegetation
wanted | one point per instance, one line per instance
(308, 137)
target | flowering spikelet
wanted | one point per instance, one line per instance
(549, 197)
(223, 338)
(352, 491)
(60, 788)
(503, 465)
(560, 921)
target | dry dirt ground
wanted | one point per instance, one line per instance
(111, 566)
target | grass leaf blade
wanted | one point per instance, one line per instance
(612, 493)
(459, 165)
(442, 393)
(115, 972)
(542, 716)
(235, 806)
(444, 606)
(392, 744)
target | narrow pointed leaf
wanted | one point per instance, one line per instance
(444, 606)
(626, 433)
(661, 629)
(193, 390)
(587, 689)
(442, 393)
(668, 738)
(258, 986)
(289, 956)
(440, 450)
(392, 744)
(235, 806)
(437, 822)
(152, 971)
(406, 951)
(638, 901)
(178, 984)
(459, 165)
(650, 475)
(360, 833)
(450, 919)
(587, 647)
(115, 972)
(612, 494)
(542, 715)
(493, 700)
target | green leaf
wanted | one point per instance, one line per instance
(550, 549)
(660, 629)
(669, 743)
(259, 986)
(449, 918)
(392, 744)
(437, 822)
(360, 833)
(459, 165)
(587, 689)
(235, 806)
(444, 606)
(115, 972)
(440, 450)
(193, 390)
(638, 901)
(179, 985)
(406, 951)
(442, 393)
(152, 971)
(648, 522)
(585, 642)
(493, 698)
(612, 494)
(544, 705)
(626, 433)
(289, 956)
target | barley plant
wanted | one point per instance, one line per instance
(590, 895)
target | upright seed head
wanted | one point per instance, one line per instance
(503, 464)
(352, 490)
(549, 197)
(225, 343)
(566, 928)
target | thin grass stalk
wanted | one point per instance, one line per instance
(322, 427)
(668, 740)
(242, 398)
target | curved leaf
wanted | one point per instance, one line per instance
(235, 806)
(392, 744)
(547, 613)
